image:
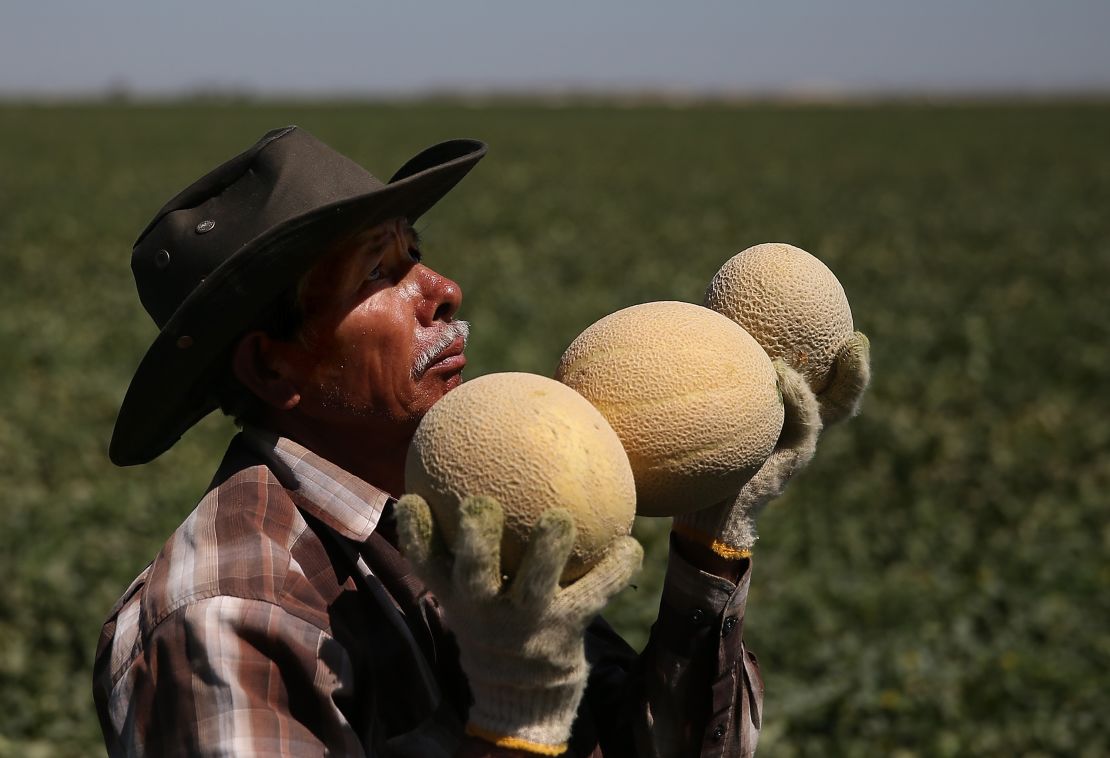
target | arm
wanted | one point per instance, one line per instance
(703, 689)
(232, 676)
(694, 690)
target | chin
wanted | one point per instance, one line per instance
(435, 394)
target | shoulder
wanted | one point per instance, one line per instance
(238, 543)
(244, 575)
(246, 539)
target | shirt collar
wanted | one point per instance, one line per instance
(337, 497)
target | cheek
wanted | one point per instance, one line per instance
(376, 351)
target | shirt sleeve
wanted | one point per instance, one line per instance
(695, 690)
(227, 676)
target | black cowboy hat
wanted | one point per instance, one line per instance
(220, 252)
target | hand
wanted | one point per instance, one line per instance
(842, 396)
(728, 528)
(521, 641)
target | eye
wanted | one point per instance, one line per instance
(375, 275)
(415, 255)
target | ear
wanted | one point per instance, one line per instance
(258, 365)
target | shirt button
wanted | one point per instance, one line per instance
(697, 616)
(719, 732)
(730, 624)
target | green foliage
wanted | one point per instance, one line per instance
(937, 582)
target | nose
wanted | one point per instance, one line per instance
(441, 296)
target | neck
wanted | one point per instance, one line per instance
(375, 455)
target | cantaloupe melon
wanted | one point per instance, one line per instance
(691, 395)
(790, 302)
(533, 444)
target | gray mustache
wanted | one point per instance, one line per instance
(448, 334)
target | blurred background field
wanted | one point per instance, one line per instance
(937, 582)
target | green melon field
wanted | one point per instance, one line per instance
(936, 583)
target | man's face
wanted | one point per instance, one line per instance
(379, 343)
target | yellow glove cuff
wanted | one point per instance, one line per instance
(722, 549)
(514, 743)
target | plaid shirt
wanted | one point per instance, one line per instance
(279, 620)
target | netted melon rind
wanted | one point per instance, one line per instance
(790, 302)
(533, 444)
(693, 398)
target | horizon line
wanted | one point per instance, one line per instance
(556, 94)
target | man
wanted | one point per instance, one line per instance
(280, 617)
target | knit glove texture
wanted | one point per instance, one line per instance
(841, 399)
(728, 527)
(521, 640)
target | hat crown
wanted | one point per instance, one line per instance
(286, 174)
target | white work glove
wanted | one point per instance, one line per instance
(521, 641)
(728, 527)
(842, 396)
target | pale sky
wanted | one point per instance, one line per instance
(61, 47)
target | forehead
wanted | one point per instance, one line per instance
(348, 256)
(368, 240)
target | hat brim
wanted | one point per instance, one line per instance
(170, 390)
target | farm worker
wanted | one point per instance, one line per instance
(280, 617)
